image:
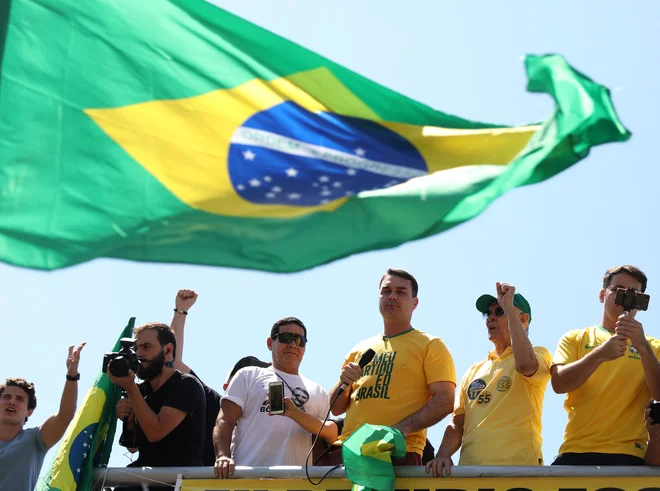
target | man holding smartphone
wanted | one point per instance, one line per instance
(262, 440)
(608, 373)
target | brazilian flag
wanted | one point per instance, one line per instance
(174, 131)
(88, 441)
(367, 456)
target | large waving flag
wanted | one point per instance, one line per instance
(174, 131)
(88, 440)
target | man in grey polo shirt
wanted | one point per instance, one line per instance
(22, 450)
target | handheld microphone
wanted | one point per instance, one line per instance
(366, 357)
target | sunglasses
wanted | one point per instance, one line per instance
(499, 312)
(287, 337)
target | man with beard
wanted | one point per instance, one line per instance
(22, 450)
(166, 412)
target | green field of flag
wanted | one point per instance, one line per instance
(174, 131)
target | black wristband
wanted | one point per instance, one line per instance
(73, 378)
(184, 312)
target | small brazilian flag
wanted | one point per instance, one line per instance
(367, 456)
(88, 441)
(174, 131)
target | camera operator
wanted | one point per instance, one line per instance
(183, 302)
(22, 450)
(166, 412)
(608, 373)
(262, 440)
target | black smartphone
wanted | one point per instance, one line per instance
(631, 299)
(276, 397)
(655, 412)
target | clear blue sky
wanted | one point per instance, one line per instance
(553, 241)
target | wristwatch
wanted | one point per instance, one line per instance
(73, 378)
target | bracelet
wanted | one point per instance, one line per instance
(184, 312)
(73, 378)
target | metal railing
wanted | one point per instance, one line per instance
(129, 476)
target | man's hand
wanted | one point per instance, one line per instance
(124, 408)
(350, 374)
(439, 463)
(613, 348)
(185, 299)
(123, 382)
(505, 295)
(224, 467)
(633, 330)
(72, 360)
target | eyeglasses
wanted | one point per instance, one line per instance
(287, 337)
(499, 312)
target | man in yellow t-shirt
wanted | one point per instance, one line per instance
(497, 417)
(410, 383)
(608, 373)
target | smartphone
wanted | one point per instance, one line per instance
(276, 396)
(631, 299)
(655, 412)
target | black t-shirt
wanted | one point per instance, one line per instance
(212, 410)
(183, 446)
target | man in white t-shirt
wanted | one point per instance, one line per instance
(262, 440)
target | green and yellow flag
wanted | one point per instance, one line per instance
(368, 454)
(174, 131)
(88, 440)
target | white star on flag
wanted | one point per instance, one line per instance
(255, 183)
(270, 195)
(276, 189)
(351, 172)
(324, 178)
(291, 172)
(326, 193)
(85, 445)
(360, 152)
(240, 187)
(337, 184)
(249, 155)
(78, 470)
(294, 196)
(268, 178)
(85, 455)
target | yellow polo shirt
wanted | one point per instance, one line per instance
(503, 411)
(395, 384)
(605, 414)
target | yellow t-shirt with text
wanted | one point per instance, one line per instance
(394, 384)
(605, 414)
(502, 411)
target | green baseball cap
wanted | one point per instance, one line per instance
(485, 300)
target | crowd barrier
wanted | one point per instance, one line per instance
(463, 478)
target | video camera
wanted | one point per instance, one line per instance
(631, 299)
(123, 360)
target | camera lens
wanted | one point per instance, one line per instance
(119, 367)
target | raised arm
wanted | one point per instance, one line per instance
(437, 407)
(183, 302)
(54, 427)
(523, 352)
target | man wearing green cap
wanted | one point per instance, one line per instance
(497, 417)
